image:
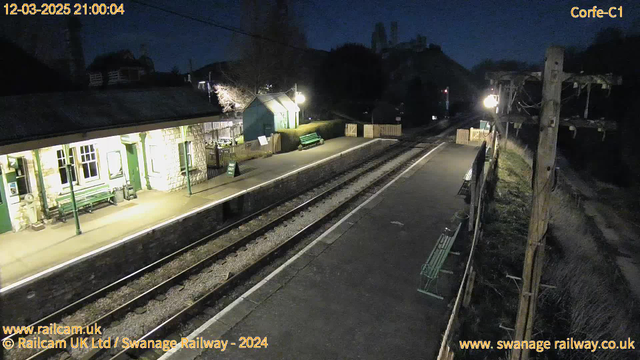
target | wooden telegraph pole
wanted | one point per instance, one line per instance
(543, 182)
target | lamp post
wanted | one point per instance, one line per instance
(73, 195)
(490, 101)
(446, 114)
(299, 98)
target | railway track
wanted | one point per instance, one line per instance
(215, 267)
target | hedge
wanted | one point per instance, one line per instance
(327, 129)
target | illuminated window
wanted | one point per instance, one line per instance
(181, 154)
(114, 163)
(62, 162)
(89, 161)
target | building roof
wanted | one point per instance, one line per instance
(277, 102)
(40, 116)
(116, 60)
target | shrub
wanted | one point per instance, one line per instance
(327, 129)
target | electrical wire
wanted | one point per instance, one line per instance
(220, 26)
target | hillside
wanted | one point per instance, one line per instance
(434, 68)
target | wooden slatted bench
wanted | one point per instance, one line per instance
(433, 267)
(466, 180)
(85, 199)
(310, 140)
(467, 176)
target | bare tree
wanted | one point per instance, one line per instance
(231, 97)
(268, 60)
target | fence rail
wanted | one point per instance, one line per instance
(378, 130)
(479, 180)
(351, 130)
(221, 156)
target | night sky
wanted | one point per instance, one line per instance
(468, 31)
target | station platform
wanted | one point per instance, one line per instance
(27, 253)
(352, 293)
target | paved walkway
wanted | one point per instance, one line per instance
(352, 293)
(29, 252)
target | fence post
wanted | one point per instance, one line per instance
(469, 288)
(216, 151)
(472, 194)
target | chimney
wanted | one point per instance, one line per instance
(73, 50)
(394, 34)
(143, 50)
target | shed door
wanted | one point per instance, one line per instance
(267, 129)
(134, 168)
(5, 220)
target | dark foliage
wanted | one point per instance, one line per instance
(487, 65)
(23, 74)
(351, 73)
(421, 102)
(616, 158)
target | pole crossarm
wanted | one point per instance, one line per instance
(521, 76)
(573, 121)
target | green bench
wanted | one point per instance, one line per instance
(310, 140)
(466, 182)
(433, 267)
(85, 199)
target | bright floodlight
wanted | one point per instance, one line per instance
(490, 101)
(300, 98)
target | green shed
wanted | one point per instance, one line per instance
(268, 113)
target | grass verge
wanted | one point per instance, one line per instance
(328, 129)
(591, 300)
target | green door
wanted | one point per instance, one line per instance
(134, 168)
(5, 220)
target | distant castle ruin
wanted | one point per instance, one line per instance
(380, 43)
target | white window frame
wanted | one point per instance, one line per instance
(118, 159)
(189, 149)
(88, 155)
(72, 154)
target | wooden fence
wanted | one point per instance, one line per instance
(377, 130)
(462, 136)
(219, 157)
(478, 189)
(479, 135)
(473, 136)
(351, 130)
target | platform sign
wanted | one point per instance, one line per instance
(233, 169)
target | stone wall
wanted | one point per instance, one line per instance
(46, 294)
(17, 205)
(166, 154)
(51, 173)
(165, 143)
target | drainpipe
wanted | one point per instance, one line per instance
(143, 137)
(73, 195)
(183, 132)
(43, 192)
(186, 167)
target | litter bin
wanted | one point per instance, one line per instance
(119, 195)
(129, 191)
